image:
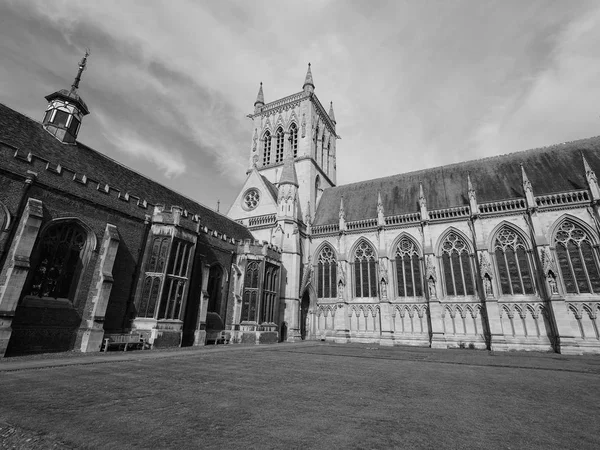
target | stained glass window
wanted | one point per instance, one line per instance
(513, 262)
(408, 269)
(457, 266)
(365, 271)
(327, 274)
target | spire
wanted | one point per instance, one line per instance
(288, 173)
(260, 99)
(528, 189)
(77, 79)
(331, 114)
(342, 215)
(380, 216)
(309, 85)
(472, 197)
(592, 180)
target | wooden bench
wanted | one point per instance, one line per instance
(132, 340)
(218, 337)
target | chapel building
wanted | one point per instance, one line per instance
(500, 253)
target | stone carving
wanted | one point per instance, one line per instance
(341, 279)
(487, 286)
(383, 280)
(430, 276)
(254, 139)
(431, 287)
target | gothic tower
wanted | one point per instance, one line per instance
(292, 160)
(66, 109)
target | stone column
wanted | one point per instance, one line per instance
(91, 330)
(200, 332)
(17, 267)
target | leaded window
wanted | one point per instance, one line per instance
(513, 262)
(250, 298)
(327, 273)
(60, 253)
(267, 148)
(154, 273)
(577, 258)
(270, 294)
(408, 269)
(457, 265)
(176, 280)
(279, 138)
(294, 139)
(214, 289)
(365, 271)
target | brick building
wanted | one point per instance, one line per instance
(90, 249)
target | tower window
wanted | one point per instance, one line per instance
(294, 139)
(577, 258)
(279, 146)
(60, 118)
(267, 149)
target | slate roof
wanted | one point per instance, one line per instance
(553, 169)
(272, 188)
(28, 135)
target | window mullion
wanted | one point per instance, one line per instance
(571, 268)
(507, 271)
(452, 271)
(519, 273)
(462, 271)
(585, 271)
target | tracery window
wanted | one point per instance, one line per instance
(270, 294)
(294, 139)
(577, 258)
(408, 269)
(250, 299)
(61, 248)
(513, 262)
(365, 271)
(267, 148)
(279, 138)
(457, 265)
(176, 280)
(327, 274)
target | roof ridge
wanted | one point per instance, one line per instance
(486, 158)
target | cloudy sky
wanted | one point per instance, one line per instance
(414, 84)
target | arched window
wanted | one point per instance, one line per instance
(267, 148)
(60, 251)
(327, 155)
(174, 289)
(215, 288)
(270, 294)
(577, 258)
(365, 271)
(294, 139)
(327, 274)
(279, 145)
(458, 269)
(513, 262)
(408, 269)
(250, 299)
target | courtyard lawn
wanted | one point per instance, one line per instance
(312, 396)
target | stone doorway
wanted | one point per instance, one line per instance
(304, 316)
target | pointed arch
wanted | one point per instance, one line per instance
(517, 230)
(326, 271)
(553, 229)
(364, 268)
(293, 129)
(266, 147)
(575, 245)
(456, 254)
(514, 264)
(407, 258)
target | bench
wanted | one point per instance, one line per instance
(132, 340)
(218, 337)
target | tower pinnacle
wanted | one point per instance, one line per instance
(260, 98)
(331, 114)
(309, 85)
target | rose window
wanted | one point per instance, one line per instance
(251, 199)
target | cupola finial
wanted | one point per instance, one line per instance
(82, 65)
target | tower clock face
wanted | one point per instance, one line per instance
(251, 199)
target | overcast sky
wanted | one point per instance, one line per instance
(414, 84)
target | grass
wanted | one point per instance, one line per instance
(321, 396)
